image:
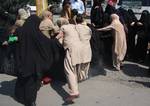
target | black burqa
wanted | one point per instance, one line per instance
(142, 33)
(97, 14)
(107, 38)
(96, 17)
(36, 55)
(96, 66)
(2, 48)
(110, 9)
(132, 30)
(7, 52)
(35, 52)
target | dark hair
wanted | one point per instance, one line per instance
(97, 2)
(74, 12)
(65, 2)
(51, 9)
(132, 15)
(79, 18)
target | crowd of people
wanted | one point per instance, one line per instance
(70, 48)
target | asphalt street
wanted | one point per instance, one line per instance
(128, 87)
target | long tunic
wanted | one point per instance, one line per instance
(85, 36)
(119, 46)
(72, 42)
(47, 26)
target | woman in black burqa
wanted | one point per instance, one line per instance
(96, 42)
(35, 55)
(132, 30)
(97, 14)
(142, 33)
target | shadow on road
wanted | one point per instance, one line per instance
(7, 88)
(135, 70)
(58, 87)
(146, 84)
(97, 68)
(95, 71)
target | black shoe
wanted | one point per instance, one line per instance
(115, 69)
(30, 104)
(66, 103)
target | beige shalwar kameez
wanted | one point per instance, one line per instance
(74, 58)
(85, 35)
(119, 45)
(48, 28)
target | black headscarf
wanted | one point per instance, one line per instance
(97, 14)
(144, 17)
(132, 15)
(110, 9)
(35, 53)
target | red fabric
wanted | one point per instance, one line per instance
(46, 80)
(112, 2)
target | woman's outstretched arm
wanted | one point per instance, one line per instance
(107, 28)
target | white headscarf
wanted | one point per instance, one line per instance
(116, 22)
(23, 14)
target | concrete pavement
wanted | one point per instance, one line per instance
(129, 87)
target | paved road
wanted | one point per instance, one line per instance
(129, 87)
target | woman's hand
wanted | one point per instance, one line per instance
(60, 35)
(139, 24)
(5, 43)
(132, 23)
